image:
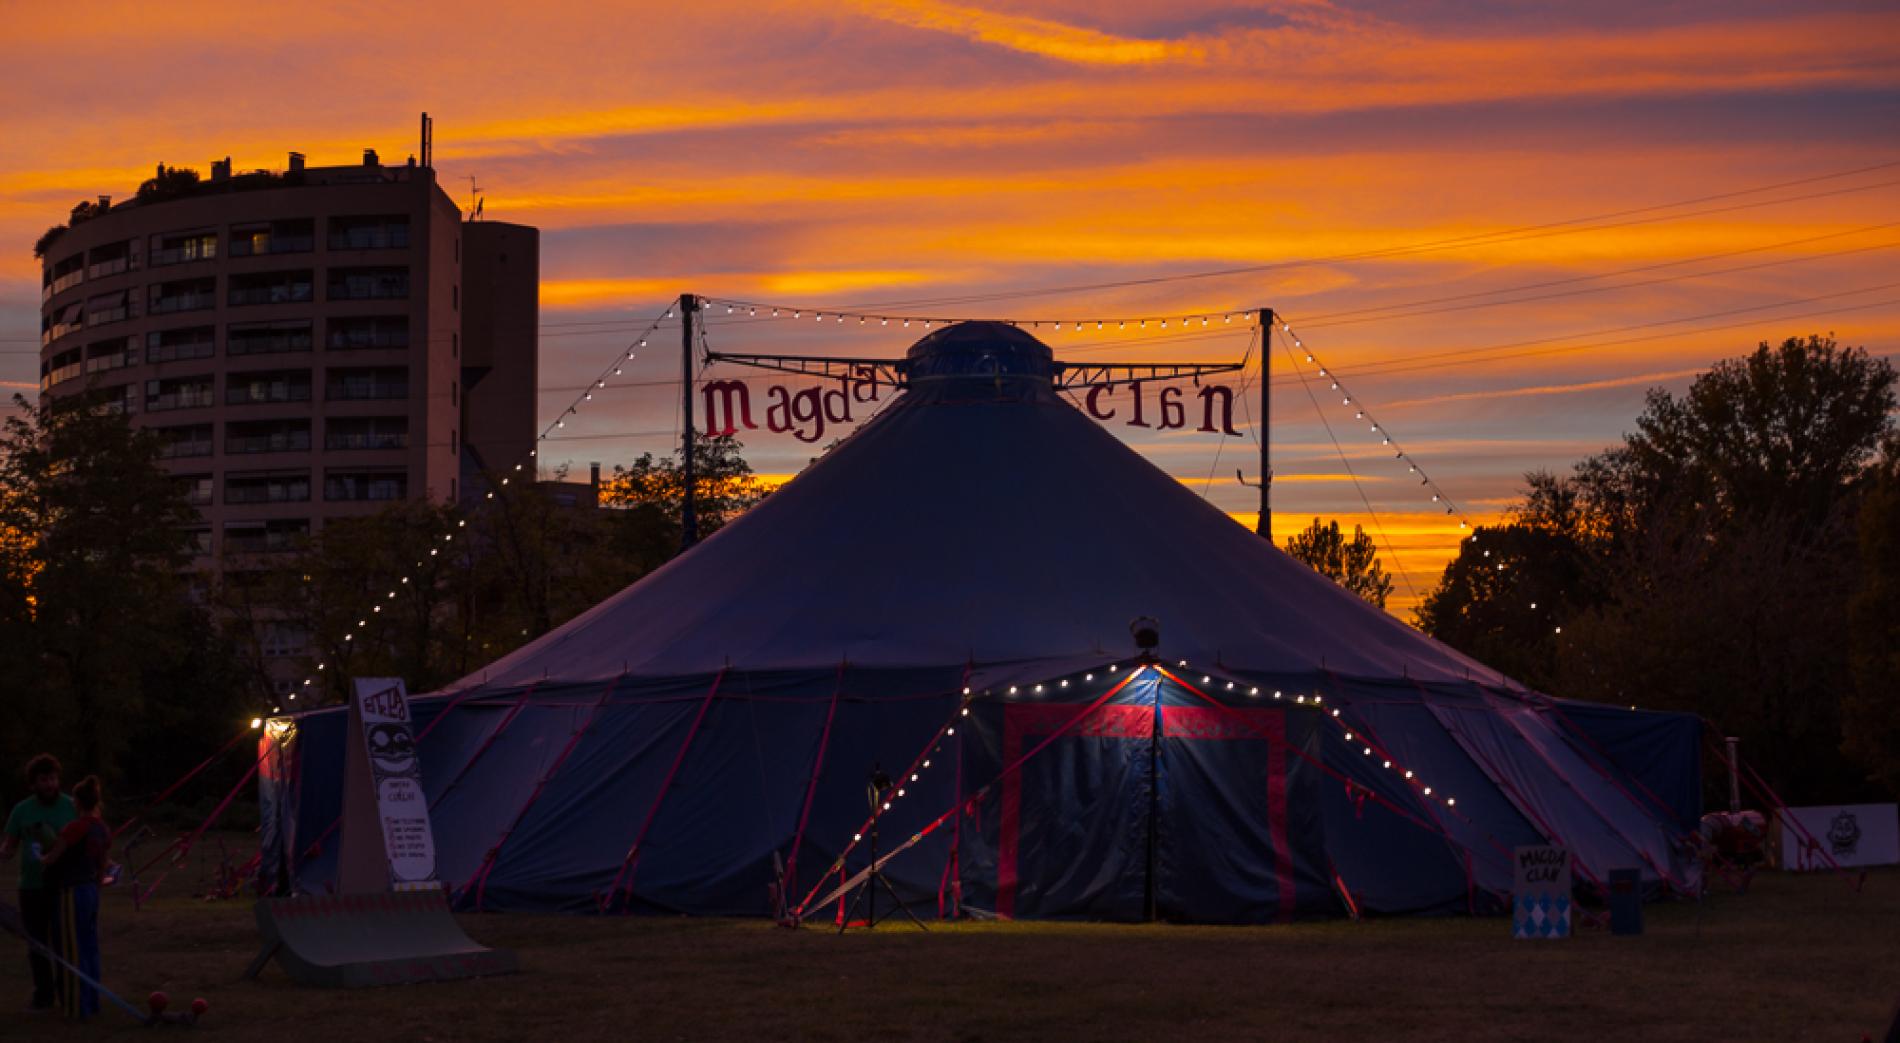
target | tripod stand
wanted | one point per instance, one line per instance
(867, 893)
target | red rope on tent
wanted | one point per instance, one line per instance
(633, 853)
(1759, 785)
(1458, 850)
(865, 873)
(1557, 709)
(182, 846)
(811, 786)
(480, 880)
(506, 720)
(187, 777)
(1606, 820)
(1525, 807)
(316, 846)
(1321, 765)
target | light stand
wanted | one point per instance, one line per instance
(874, 791)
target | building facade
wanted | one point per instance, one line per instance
(300, 340)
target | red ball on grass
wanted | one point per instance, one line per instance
(158, 1001)
(198, 1007)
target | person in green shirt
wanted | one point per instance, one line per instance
(32, 828)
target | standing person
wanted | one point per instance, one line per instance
(32, 827)
(73, 867)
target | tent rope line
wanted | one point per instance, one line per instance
(1640, 850)
(1358, 487)
(960, 802)
(1669, 825)
(316, 846)
(1604, 755)
(961, 709)
(479, 882)
(1525, 808)
(1462, 851)
(1753, 780)
(629, 864)
(811, 785)
(182, 846)
(1320, 764)
(187, 777)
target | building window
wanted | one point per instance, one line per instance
(455, 298)
(198, 540)
(368, 331)
(178, 393)
(109, 307)
(267, 436)
(184, 295)
(366, 432)
(297, 235)
(386, 232)
(369, 284)
(117, 353)
(283, 641)
(61, 321)
(181, 247)
(188, 440)
(287, 287)
(365, 485)
(267, 338)
(369, 382)
(265, 537)
(273, 385)
(198, 492)
(65, 274)
(110, 259)
(186, 342)
(286, 487)
(62, 367)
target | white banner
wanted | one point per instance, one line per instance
(395, 776)
(1849, 834)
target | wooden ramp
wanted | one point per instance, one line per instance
(351, 941)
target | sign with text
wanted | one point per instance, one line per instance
(1540, 892)
(1837, 835)
(808, 413)
(383, 780)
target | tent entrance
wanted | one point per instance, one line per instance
(1140, 810)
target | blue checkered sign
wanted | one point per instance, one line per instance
(1540, 900)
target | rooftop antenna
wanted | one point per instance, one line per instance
(428, 142)
(474, 199)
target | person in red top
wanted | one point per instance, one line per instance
(74, 866)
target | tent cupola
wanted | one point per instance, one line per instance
(980, 356)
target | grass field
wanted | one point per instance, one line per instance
(1797, 958)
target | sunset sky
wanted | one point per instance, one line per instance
(1684, 156)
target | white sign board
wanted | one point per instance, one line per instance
(1540, 892)
(1849, 834)
(388, 778)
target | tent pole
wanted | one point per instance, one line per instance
(689, 522)
(1264, 527)
(1154, 800)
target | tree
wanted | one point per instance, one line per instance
(1353, 565)
(101, 630)
(1702, 565)
(652, 491)
(1871, 715)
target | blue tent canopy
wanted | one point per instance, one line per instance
(953, 584)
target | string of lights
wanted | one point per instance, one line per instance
(1374, 427)
(836, 316)
(614, 369)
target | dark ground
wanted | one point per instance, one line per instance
(1797, 958)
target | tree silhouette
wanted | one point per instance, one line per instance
(1353, 564)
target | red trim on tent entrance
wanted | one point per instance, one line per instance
(1023, 722)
